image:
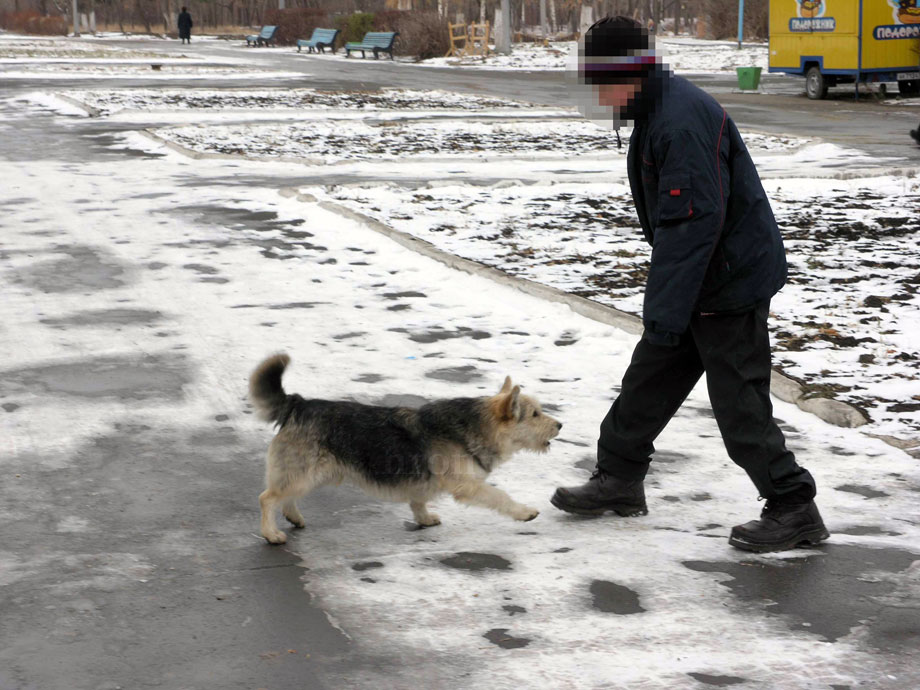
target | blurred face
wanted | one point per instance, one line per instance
(617, 96)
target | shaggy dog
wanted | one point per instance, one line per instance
(396, 453)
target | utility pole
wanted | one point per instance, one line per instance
(740, 22)
(503, 32)
(76, 19)
(543, 29)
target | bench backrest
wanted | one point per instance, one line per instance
(324, 35)
(267, 31)
(381, 39)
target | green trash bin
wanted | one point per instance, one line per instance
(748, 78)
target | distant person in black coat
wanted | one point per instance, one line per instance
(185, 26)
(717, 259)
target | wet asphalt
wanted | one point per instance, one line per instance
(242, 617)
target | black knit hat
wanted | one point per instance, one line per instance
(616, 49)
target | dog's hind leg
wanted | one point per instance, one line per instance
(422, 516)
(488, 496)
(268, 501)
(290, 511)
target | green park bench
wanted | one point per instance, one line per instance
(320, 40)
(377, 41)
(263, 38)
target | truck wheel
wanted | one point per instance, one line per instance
(815, 84)
(909, 87)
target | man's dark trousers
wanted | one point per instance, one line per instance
(734, 351)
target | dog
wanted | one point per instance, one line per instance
(395, 453)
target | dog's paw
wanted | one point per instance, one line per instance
(431, 521)
(525, 513)
(296, 520)
(275, 537)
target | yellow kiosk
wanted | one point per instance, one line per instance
(834, 42)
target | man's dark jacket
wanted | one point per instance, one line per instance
(716, 247)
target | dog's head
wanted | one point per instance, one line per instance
(520, 421)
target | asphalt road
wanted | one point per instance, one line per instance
(181, 629)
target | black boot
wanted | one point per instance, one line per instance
(915, 134)
(781, 526)
(601, 493)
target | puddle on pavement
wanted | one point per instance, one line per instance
(401, 295)
(401, 400)
(864, 491)
(257, 221)
(225, 216)
(588, 462)
(203, 269)
(830, 593)
(463, 374)
(468, 560)
(83, 269)
(369, 378)
(865, 531)
(105, 317)
(668, 457)
(348, 336)
(128, 377)
(107, 145)
(610, 597)
(500, 637)
(436, 334)
(717, 681)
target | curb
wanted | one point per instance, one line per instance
(88, 109)
(786, 389)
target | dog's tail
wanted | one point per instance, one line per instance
(265, 389)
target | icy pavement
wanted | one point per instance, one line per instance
(140, 288)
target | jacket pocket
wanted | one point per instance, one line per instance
(675, 200)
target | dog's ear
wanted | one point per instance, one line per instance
(506, 386)
(510, 404)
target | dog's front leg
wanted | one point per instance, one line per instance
(488, 496)
(422, 516)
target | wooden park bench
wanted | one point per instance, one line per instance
(263, 38)
(320, 40)
(377, 41)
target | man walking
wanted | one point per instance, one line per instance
(185, 26)
(717, 259)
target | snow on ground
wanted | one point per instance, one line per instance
(846, 325)
(31, 49)
(233, 271)
(70, 58)
(679, 53)
(107, 103)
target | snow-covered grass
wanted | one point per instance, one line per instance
(687, 55)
